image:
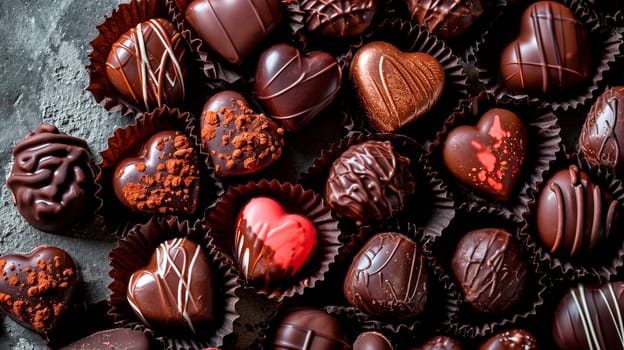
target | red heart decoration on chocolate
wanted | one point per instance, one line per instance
(295, 88)
(488, 157)
(36, 289)
(162, 179)
(271, 244)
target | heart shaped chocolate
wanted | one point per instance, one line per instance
(271, 244)
(551, 53)
(395, 87)
(295, 88)
(175, 289)
(162, 179)
(488, 157)
(234, 28)
(37, 289)
(238, 140)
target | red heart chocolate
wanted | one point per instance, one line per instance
(238, 140)
(295, 88)
(162, 179)
(488, 157)
(271, 244)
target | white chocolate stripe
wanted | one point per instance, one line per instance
(142, 63)
(614, 312)
(168, 47)
(585, 318)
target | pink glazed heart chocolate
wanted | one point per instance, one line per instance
(272, 245)
(488, 157)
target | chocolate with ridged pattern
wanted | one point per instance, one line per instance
(445, 18)
(310, 329)
(339, 18)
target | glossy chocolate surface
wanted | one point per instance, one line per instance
(388, 278)
(148, 65)
(294, 87)
(175, 290)
(395, 88)
(490, 270)
(51, 178)
(441, 342)
(112, 339)
(574, 216)
(372, 341)
(339, 18)
(369, 182)
(445, 18)
(309, 329)
(238, 140)
(551, 53)
(512, 339)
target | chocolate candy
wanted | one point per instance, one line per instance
(488, 157)
(602, 134)
(37, 289)
(445, 18)
(234, 28)
(590, 317)
(395, 88)
(339, 18)
(388, 278)
(372, 341)
(368, 182)
(271, 244)
(293, 87)
(309, 329)
(175, 289)
(148, 65)
(441, 342)
(489, 268)
(162, 178)
(51, 178)
(110, 339)
(551, 53)
(238, 140)
(574, 216)
(511, 339)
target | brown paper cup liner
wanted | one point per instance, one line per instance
(221, 222)
(544, 141)
(604, 46)
(117, 218)
(611, 13)
(134, 252)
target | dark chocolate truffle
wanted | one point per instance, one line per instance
(388, 278)
(512, 339)
(112, 339)
(369, 182)
(51, 179)
(602, 134)
(309, 329)
(238, 140)
(441, 342)
(551, 53)
(148, 64)
(445, 18)
(490, 270)
(372, 341)
(339, 18)
(574, 216)
(175, 289)
(590, 317)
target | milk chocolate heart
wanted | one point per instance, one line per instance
(234, 28)
(37, 289)
(488, 157)
(271, 244)
(395, 87)
(238, 140)
(551, 53)
(163, 177)
(175, 289)
(294, 88)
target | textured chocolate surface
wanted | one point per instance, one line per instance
(574, 216)
(148, 65)
(445, 18)
(490, 270)
(551, 53)
(310, 329)
(238, 140)
(441, 342)
(512, 339)
(339, 18)
(175, 290)
(51, 178)
(388, 278)
(602, 134)
(590, 317)
(112, 339)
(372, 341)
(395, 88)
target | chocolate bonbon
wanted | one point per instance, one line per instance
(310, 329)
(372, 341)
(446, 18)
(51, 178)
(339, 18)
(511, 339)
(111, 339)
(441, 342)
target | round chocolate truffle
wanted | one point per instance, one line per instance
(441, 342)
(339, 18)
(590, 317)
(446, 18)
(512, 339)
(51, 178)
(490, 269)
(372, 341)
(368, 182)
(388, 278)
(310, 329)
(574, 216)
